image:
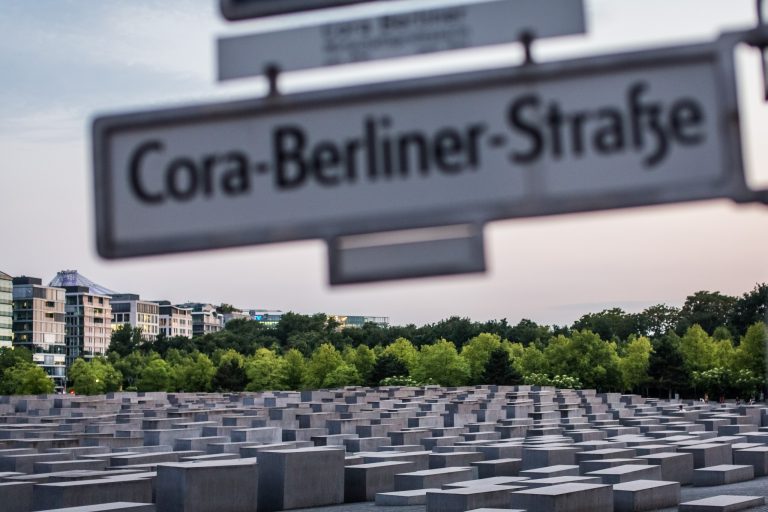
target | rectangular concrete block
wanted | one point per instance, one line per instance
(627, 473)
(468, 498)
(756, 457)
(207, 486)
(91, 492)
(403, 498)
(723, 503)
(565, 498)
(16, 496)
(498, 467)
(642, 495)
(118, 506)
(305, 477)
(363, 481)
(723, 474)
(709, 454)
(675, 467)
(431, 478)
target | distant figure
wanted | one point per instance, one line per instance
(706, 398)
(681, 407)
(752, 401)
(738, 401)
(722, 400)
(701, 400)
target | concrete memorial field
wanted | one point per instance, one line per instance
(428, 449)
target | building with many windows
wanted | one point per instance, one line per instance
(88, 316)
(271, 318)
(39, 325)
(129, 309)
(174, 320)
(205, 318)
(6, 310)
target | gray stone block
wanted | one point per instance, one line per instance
(498, 467)
(709, 454)
(118, 506)
(642, 495)
(675, 467)
(363, 481)
(627, 473)
(723, 503)
(456, 459)
(403, 498)
(565, 498)
(305, 477)
(207, 486)
(16, 496)
(91, 492)
(723, 474)
(755, 457)
(431, 478)
(551, 471)
(468, 498)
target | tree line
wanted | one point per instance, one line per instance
(714, 344)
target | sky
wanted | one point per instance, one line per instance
(64, 61)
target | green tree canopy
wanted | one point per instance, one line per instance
(25, 379)
(441, 363)
(324, 360)
(476, 353)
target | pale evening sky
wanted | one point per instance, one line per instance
(64, 61)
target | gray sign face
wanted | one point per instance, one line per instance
(410, 32)
(607, 132)
(234, 10)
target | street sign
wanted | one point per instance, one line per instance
(414, 31)
(234, 10)
(615, 131)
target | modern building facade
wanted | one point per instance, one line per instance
(89, 323)
(6, 310)
(271, 318)
(174, 320)
(88, 316)
(205, 318)
(129, 309)
(39, 325)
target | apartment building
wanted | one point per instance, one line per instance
(205, 318)
(6, 310)
(129, 309)
(39, 325)
(174, 320)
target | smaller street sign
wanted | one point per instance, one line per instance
(234, 10)
(401, 34)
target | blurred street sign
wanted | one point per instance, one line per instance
(234, 10)
(399, 34)
(614, 131)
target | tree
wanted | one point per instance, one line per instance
(342, 375)
(533, 361)
(752, 353)
(529, 332)
(441, 363)
(194, 373)
(635, 362)
(294, 367)
(656, 321)
(156, 376)
(665, 364)
(749, 309)
(362, 359)
(697, 349)
(709, 310)
(130, 368)
(265, 371)
(593, 361)
(95, 377)
(499, 370)
(125, 339)
(476, 353)
(388, 366)
(403, 350)
(460, 330)
(12, 356)
(610, 324)
(324, 360)
(25, 378)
